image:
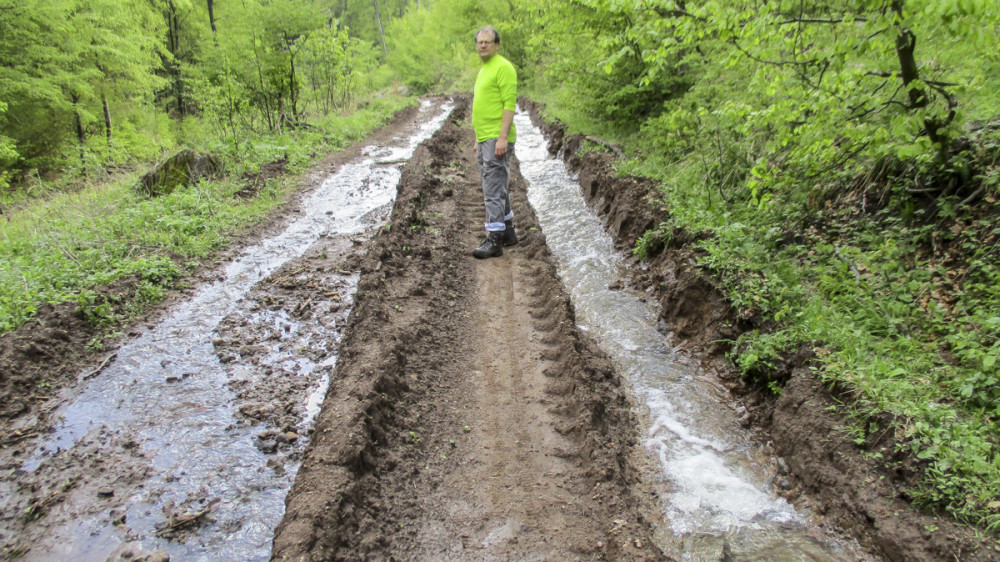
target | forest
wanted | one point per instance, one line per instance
(835, 165)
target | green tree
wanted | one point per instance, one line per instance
(64, 66)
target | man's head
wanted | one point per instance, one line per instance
(487, 42)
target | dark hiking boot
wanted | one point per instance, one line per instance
(490, 248)
(509, 236)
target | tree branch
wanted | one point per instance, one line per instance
(773, 63)
(817, 20)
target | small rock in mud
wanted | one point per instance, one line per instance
(105, 493)
(256, 411)
(267, 446)
(291, 436)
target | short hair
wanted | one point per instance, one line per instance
(490, 28)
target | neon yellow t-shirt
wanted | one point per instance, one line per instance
(495, 91)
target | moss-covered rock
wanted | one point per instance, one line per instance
(182, 169)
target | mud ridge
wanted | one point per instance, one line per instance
(822, 467)
(50, 352)
(467, 417)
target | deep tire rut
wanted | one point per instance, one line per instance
(468, 418)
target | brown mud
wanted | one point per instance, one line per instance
(860, 496)
(468, 418)
(48, 361)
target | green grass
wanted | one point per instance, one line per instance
(66, 246)
(901, 306)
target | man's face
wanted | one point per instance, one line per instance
(486, 46)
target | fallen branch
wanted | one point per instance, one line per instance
(16, 436)
(287, 276)
(100, 367)
(176, 522)
(857, 275)
(974, 197)
(607, 145)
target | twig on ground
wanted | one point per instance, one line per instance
(100, 367)
(857, 275)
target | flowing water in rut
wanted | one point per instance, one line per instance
(169, 431)
(715, 479)
(166, 403)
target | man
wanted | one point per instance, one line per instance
(493, 103)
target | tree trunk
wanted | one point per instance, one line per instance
(293, 85)
(81, 135)
(211, 16)
(173, 44)
(380, 31)
(906, 45)
(107, 118)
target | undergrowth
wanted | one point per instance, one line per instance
(889, 279)
(69, 246)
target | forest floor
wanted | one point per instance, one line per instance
(468, 417)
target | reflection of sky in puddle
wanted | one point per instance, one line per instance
(187, 427)
(717, 476)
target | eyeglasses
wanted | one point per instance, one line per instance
(484, 42)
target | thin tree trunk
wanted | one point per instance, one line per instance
(107, 118)
(81, 135)
(380, 31)
(906, 45)
(211, 16)
(293, 86)
(173, 43)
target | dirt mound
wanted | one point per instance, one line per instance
(467, 417)
(824, 467)
(42, 356)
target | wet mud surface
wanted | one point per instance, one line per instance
(820, 467)
(464, 413)
(468, 418)
(87, 483)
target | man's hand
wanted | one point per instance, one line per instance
(505, 123)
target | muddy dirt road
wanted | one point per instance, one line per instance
(466, 414)
(469, 418)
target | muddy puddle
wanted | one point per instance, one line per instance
(715, 481)
(188, 441)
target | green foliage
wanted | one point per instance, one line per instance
(61, 63)
(442, 67)
(92, 84)
(653, 241)
(763, 120)
(8, 155)
(434, 50)
(65, 247)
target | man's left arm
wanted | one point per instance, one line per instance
(508, 118)
(507, 82)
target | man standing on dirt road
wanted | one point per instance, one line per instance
(493, 103)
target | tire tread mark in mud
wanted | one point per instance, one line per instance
(502, 433)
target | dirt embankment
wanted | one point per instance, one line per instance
(59, 348)
(862, 497)
(467, 418)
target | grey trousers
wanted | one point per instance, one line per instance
(495, 173)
